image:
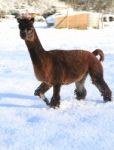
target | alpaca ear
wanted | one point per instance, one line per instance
(32, 20)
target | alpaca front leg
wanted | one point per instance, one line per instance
(41, 90)
(55, 100)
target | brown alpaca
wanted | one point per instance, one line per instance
(58, 67)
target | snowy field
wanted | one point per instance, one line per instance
(26, 123)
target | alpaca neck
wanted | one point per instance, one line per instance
(35, 44)
(35, 49)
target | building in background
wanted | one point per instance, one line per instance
(83, 20)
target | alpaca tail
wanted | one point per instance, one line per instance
(100, 53)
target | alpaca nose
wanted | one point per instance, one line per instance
(23, 33)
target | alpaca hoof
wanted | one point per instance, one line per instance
(54, 105)
(42, 96)
(80, 95)
(107, 99)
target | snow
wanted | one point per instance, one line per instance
(26, 123)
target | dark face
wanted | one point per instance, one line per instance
(26, 28)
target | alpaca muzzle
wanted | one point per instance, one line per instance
(23, 34)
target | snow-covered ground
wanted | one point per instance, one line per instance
(26, 123)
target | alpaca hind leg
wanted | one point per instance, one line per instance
(55, 100)
(41, 90)
(104, 89)
(96, 73)
(80, 90)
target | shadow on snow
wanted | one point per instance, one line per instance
(21, 97)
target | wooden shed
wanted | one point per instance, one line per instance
(80, 20)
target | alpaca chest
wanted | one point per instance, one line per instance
(43, 74)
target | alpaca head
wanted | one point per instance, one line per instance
(26, 27)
